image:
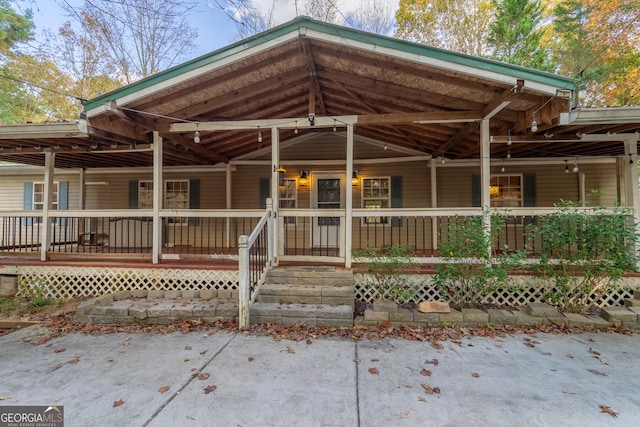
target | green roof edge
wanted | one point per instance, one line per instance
(356, 35)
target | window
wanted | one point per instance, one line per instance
(376, 194)
(289, 198)
(38, 198)
(506, 191)
(176, 196)
(145, 194)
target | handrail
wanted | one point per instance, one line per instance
(255, 257)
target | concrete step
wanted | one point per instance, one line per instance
(636, 293)
(310, 275)
(307, 294)
(632, 302)
(618, 315)
(309, 314)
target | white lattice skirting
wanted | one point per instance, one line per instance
(69, 281)
(529, 292)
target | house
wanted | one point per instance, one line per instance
(355, 139)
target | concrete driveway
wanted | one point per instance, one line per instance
(223, 378)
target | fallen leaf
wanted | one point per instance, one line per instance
(164, 389)
(59, 350)
(608, 410)
(55, 368)
(74, 361)
(569, 392)
(569, 356)
(433, 362)
(308, 341)
(475, 375)
(4, 397)
(204, 352)
(405, 414)
(188, 347)
(595, 371)
(185, 329)
(290, 350)
(375, 360)
(118, 403)
(203, 376)
(250, 359)
(210, 389)
(595, 353)
(109, 359)
(425, 372)
(185, 360)
(436, 345)
(373, 371)
(421, 399)
(430, 390)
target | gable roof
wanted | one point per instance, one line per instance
(413, 96)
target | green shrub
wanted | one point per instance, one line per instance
(386, 272)
(584, 253)
(472, 269)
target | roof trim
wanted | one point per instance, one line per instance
(299, 26)
(76, 129)
(601, 116)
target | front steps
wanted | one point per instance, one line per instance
(311, 295)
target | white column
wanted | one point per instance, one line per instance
(229, 203)
(434, 202)
(243, 282)
(631, 178)
(45, 240)
(157, 197)
(485, 176)
(348, 227)
(275, 192)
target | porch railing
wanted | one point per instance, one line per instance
(255, 257)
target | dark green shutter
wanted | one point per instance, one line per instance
(396, 199)
(133, 194)
(63, 199)
(476, 192)
(27, 201)
(265, 191)
(194, 199)
(529, 195)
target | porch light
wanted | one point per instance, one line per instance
(534, 124)
(575, 166)
(196, 136)
(502, 169)
(334, 125)
(312, 119)
(354, 178)
(295, 131)
(281, 172)
(566, 166)
(582, 92)
(303, 178)
(260, 135)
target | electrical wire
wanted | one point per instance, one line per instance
(82, 100)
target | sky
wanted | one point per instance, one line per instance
(215, 28)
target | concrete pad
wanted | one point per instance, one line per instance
(285, 384)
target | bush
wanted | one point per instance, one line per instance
(584, 254)
(386, 272)
(471, 271)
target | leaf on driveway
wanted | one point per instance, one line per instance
(308, 341)
(210, 389)
(74, 360)
(595, 371)
(425, 372)
(405, 414)
(569, 356)
(608, 410)
(118, 403)
(203, 376)
(375, 360)
(59, 350)
(433, 362)
(475, 375)
(4, 397)
(430, 390)
(436, 345)
(164, 389)
(374, 371)
(250, 359)
(421, 399)
(290, 350)
(188, 347)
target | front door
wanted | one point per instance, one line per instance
(328, 192)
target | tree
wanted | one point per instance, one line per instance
(14, 27)
(374, 16)
(515, 34)
(458, 25)
(597, 42)
(139, 37)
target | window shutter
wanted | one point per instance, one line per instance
(265, 191)
(476, 193)
(529, 195)
(396, 199)
(194, 199)
(27, 201)
(63, 199)
(133, 194)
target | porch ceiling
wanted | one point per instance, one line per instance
(304, 67)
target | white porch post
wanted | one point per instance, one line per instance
(434, 203)
(243, 281)
(49, 164)
(229, 203)
(157, 197)
(348, 227)
(275, 191)
(631, 184)
(485, 177)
